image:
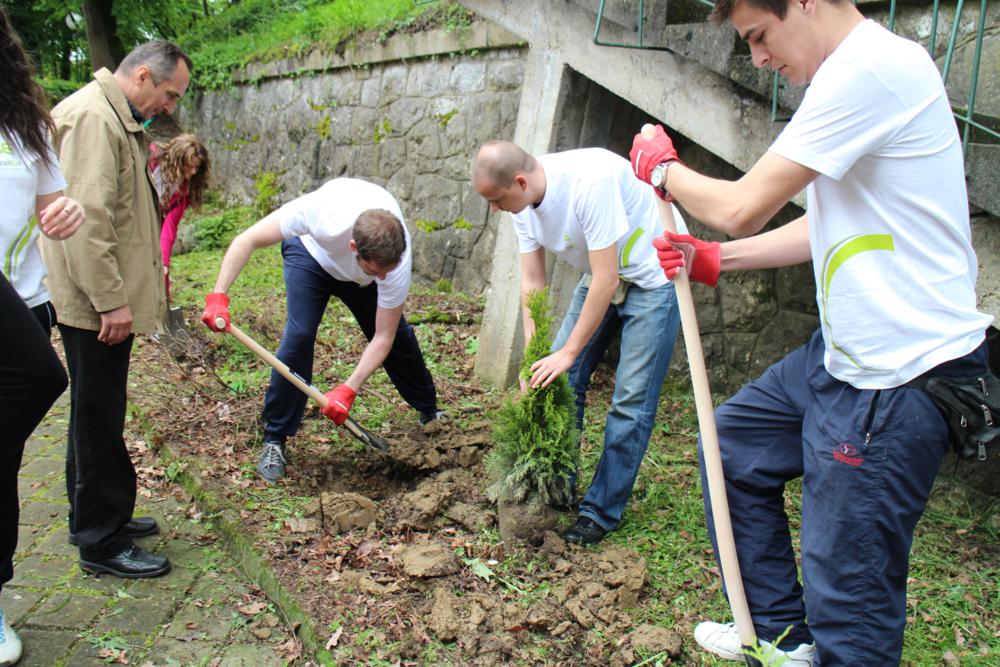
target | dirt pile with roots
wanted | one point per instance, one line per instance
(394, 552)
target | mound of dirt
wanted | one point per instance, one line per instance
(396, 550)
(441, 445)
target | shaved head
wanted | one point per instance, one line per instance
(498, 162)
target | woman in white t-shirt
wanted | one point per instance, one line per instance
(31, 377)
(31, 184)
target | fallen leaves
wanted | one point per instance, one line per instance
(251, 608)
(334, 638)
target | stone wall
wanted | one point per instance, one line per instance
(408, 115)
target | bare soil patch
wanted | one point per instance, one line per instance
(396, 557)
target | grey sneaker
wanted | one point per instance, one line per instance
(433, 416)
(271, 465)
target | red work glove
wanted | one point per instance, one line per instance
(216, 306)
(338, 403)
(647, 153)
(703, 258)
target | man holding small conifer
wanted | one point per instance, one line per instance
(583, 206)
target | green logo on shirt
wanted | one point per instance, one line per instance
(8, 158)
(833, 260)
(17, 247)
(627, 250)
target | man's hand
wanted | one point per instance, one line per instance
(216, 307)
(703, 258)
(547, 369)
(116, 325)
(339, 402)
(646, 153)
(61, 218)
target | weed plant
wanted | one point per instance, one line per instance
(535, 436)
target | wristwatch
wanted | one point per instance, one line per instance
(658, 177)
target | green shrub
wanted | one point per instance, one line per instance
(535, 439)
(268, 189)
(216, 231)
(58, 89)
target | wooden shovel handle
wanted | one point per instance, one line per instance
(309, 390)
(709, 441)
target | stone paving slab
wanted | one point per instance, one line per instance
(68, 618)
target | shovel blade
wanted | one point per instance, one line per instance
(366, 436)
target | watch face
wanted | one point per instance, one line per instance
(656, 177)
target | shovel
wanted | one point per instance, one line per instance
(362, 434)
(710, 448)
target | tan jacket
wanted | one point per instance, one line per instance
(114, 258)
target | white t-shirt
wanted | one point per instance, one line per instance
(592, 201)
(325, 220)
(888, 215)
(24, 176)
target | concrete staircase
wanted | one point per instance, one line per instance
(682, 27)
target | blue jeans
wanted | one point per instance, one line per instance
(867, 459)
(647, 321)
(308, 288)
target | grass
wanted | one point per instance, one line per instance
(953, 604)
(266, 30)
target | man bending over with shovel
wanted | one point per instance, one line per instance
(875, 146)
(583, 206)
(347, 240)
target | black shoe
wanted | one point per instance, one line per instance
(136, 527)
(132, 563)
(584, 531)
(433, 416)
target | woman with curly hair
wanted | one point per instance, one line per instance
(180, 172)
(31, 376)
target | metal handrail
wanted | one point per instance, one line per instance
(642, 23)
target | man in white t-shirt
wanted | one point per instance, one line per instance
(346, 239)
(875, 146)
(586, 207)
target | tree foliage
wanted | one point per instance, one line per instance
(61, 48)
(536, 442)
(219, 35)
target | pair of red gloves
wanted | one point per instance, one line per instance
(216, 317)
(703, 258)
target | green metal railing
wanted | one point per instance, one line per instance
(642, 23)
(967, 118)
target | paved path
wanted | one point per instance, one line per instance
(202, 613)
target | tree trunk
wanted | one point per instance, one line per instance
(102, 35)
(204, 7)
(65, 63)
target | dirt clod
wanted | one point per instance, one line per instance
(428, 560)
(650, 639)
(342, 511)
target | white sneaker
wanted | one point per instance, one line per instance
(10, 643)
(723, 640)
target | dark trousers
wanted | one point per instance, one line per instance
(31, 379)
(308, 288)
(46, 316)
(100, 478)
(867, 459)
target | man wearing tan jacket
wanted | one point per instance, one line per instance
(106, 283)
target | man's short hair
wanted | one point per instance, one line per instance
(380, 237)
(724, 8)
(499, 161)
(159, 56)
